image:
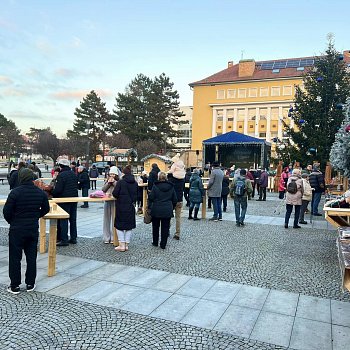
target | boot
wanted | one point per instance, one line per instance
(190, 214)
(126, 246)
(196, 210)
(121, 247)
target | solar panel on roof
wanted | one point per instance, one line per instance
(280, 64)
(293, 63)
(267, 65)
(288, 64)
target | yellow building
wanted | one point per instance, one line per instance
(249, 97)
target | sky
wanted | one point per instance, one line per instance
(54, 52)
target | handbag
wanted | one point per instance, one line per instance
(147, 218)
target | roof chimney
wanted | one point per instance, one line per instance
(229, 64)
(246, 68)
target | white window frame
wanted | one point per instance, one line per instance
(250, 92)
(241, 91)
(275, 87)
(285, 87)
(267, 91)
(220, 94)
(231, 93)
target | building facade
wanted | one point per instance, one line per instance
(183, 141)
(250, 97)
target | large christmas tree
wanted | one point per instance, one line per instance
(340, 152)
(317, 110)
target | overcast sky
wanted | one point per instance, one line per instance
(53, 52)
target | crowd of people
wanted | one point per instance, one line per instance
(166, 192)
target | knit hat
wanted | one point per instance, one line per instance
(127, 170)
(64, 162)
(114, 170)
(25, 175)
(81, 167)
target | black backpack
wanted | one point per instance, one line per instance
(292, 187)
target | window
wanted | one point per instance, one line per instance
(230, 119)
(251, 126)
(253, 92)
(218, 133)
(219, 126)
(219, 118)
(300, 68)
(275, 91)
(262, 134)
(231, 93)
(264, 92)
(275, 70)
(220, 94)
(242, 93)
(287, 90)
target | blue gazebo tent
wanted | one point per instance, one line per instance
(238, 149)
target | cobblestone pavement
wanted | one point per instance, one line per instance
(39, 321)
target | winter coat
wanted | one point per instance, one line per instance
(153, 177)
(188, 176)
(196, 189)
(108, 187)
(24, 206)
(13, 180)
(125, 193)
(93, 173)
(307, 191)
(215, 182)
(225, 186)
(282, 185)
(162, 200)
(178, 186)
(317, 182)
(248, 186)
(178, 169)
(66, 184)
(285, 176)
(295, 198)
(141, 180)
(264, 179)
(83, 180)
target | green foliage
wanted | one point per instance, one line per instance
(148, 110)
(91, 123)
(10, 138)
(316, 112)
(340, 152)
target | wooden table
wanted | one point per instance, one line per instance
(337, 216)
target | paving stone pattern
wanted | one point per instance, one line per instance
(40, 321)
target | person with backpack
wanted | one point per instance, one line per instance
(240, 189)
(294, 197)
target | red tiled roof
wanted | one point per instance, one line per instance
(230, 74)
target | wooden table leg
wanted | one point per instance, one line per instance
(52, 248)
(204, 206)
(115, 236)
(144, 200)
(42, 235)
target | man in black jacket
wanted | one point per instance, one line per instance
(317, 183)
(179, 190)
(23, 208)
(66, 186)
(83, 184)
(13, 180)
(153, 176)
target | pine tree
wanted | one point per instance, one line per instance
(91, 123)
(148, 110)
(317, 111)
(340, 152)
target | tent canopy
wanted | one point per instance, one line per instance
(233, 137)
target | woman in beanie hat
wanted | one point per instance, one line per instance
(109, 207)
(125, 193)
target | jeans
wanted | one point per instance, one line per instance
(26, 241)
(194, 205)
(85, 193)
(217, 207)
(304, 205)
(62, 224)
(289, 208)
(165, 225)
(241, 204)
(316, 198)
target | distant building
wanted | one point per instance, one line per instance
(183, 141)
(250, 97)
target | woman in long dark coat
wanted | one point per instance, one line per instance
(196, 194)
(126, 194)
(162, 201)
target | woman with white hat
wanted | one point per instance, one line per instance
(109, 207)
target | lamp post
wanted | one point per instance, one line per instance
(87, 144)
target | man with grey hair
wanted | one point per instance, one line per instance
(214, 191)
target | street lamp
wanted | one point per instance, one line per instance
(88, 144)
